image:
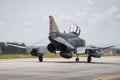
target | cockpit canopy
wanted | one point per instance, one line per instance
(75, 29)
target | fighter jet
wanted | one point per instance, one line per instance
(66, 44)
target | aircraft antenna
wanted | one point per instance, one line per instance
(39, 41)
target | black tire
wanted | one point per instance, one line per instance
(40, 58)
(89, 59)
(77, 60)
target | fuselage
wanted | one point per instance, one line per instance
(64, 42)
(73, 39)
(69, 37)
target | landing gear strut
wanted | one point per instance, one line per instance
(40, 57)
(89, 59)
(77, 59)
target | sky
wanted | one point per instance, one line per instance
(28, 20)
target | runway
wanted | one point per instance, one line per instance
(105, 68)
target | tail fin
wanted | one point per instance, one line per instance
(53, 25)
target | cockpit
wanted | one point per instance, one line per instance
(75, 29)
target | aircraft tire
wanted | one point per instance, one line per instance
(89, 59)
(40, 58)
(77, 60)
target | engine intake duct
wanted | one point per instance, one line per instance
(51, 47)
(62, 48)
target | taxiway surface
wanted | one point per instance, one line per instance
(60, 69)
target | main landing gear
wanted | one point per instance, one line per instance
(89, 59)
(40, 57)
(77, 58)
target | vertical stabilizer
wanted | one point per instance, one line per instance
(53, 25)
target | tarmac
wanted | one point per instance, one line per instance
(105, 68)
